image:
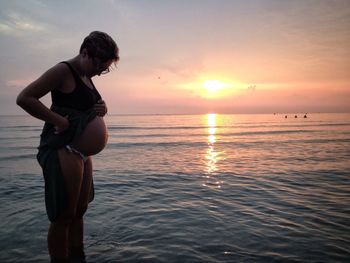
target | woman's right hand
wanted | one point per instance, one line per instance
(62, 125)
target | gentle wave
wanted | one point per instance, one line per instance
(22, 128)
(18, 157)
(219, 134)
(218, 143)
(114, 127)
(260, 191)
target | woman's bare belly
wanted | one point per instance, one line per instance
(93, 139)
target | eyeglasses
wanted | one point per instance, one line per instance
(100, 66)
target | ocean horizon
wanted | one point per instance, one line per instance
(292, 113)
(193, 188)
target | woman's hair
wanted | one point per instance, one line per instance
(100, 45)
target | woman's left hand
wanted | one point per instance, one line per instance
(100, 108)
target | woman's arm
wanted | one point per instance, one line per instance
(28, 98)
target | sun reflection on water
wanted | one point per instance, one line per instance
(212, 156)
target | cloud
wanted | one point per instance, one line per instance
(17, 23)
(282, 47)
(18, 83)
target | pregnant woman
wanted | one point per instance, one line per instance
(74, 130)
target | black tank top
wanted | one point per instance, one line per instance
(81, 98)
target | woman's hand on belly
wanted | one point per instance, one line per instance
(62, 124)
(100, 108)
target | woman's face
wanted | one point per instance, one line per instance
(95, 66)
(100, 67)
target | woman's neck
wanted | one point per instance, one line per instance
(78, 65)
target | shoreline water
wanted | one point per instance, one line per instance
(193, 188)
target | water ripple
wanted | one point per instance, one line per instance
(250, 189)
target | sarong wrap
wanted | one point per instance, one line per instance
(56, 199)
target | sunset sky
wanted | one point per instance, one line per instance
(189, 56)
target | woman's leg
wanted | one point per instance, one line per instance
(72, 171)
(76, 228)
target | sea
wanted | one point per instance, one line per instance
(193, 188)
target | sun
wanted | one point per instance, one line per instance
(211, 88)
(215, 89)
(213, 85)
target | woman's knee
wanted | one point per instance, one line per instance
(67, 217)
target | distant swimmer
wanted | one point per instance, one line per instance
(296, 116)
(305, 116)
(286, 117)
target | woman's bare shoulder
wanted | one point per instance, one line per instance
(51, 79)
(60, 70)
(54, 76)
